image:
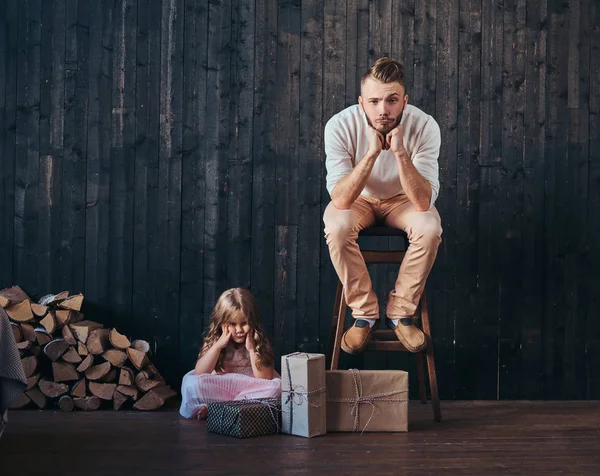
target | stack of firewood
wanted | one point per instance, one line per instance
(77, 363)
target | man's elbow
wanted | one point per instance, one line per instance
(340, 204)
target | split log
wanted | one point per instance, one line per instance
(29, 365)
(28, 332)
(98, 341)
(23, 345)
(118, 400)
(87, 403)
(76, 317)
(141, 345)
(56, 348)
(144, 383)
(17, 332)
(62, 317)
(78, 390)
(37, 397)
(126, 376)
(49, 322)
(12, 295)
(54, 298)
(32, 381)
(66, 403)
(104, 391)
(20, 312)
(64, 372)
(20, 402)
(72, 302)
(68, 336)
(115, 357)
(137, 358)
(119, 340)
(110, 377)
(97, 371)
(53, 389)
(154, 398)
(129, 390)
(39, 310)
(86, 364)
(72, 356)
(42, 336)
(81, 330)
(153, 373)
(36, 350)
(82, 349)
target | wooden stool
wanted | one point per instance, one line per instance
(386, 339)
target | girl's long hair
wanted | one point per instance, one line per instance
(232, 301)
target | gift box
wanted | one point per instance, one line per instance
(367, 400)
(244, 418)
(303, 402)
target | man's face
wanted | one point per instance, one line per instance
(383, 104)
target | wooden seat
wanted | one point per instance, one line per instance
(385, 339)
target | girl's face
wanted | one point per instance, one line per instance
(239, 327)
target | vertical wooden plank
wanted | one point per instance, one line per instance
(239, 203)
(193, 180)
(511, 202)
(468, 190)
(27, 145)
(593, 323)
(169, 186)
(533, 201)
(555, 202)
(424, 56)
(351, 31)
(72, 251)
(217, 137)
(52, 121)
(380, 29)
(491, 85)
(97, 217)
(311, 166)
(264, 159)
(122, 161)
(8, 129)
(403, 38)
(286, 253)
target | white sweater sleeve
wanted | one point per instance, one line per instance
(425, 158)
(338, 161)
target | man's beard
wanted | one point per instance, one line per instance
(385, 129)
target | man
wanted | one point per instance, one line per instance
(382, 165)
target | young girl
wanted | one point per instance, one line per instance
(236, 360)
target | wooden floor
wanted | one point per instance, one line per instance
(475, 438)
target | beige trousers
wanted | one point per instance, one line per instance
(424, 232)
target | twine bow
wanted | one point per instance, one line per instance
(360, 399)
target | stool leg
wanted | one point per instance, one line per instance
(435, 400)
(421, 377)
(337, 327)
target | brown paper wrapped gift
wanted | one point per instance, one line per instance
(303, 394)
(367, 400)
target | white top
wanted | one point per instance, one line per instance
(346, 143)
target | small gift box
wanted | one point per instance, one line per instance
(367, 400)
(303, 394)
(244, 418)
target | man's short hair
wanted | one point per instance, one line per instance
(385, 70)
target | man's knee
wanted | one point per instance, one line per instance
(427, 231)
(339, 227)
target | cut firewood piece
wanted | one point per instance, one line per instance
(141, 345)
(64, 372)
(76, 317)
(20, 312)
(37, 397)
(153, 373)
(86, 363)
(62, 317)
(39, 310)
(53, 389)
(119, 340)
(129, 390)
(72, 302)
(82, 349)
(115, 357)
(54, 298)
(66, 403)
(72, 356)
(104, 391)
(32, 381)
(68, 335)
(78, 390)
(17, 332)
(145, 383)
(23, 345)
(42, 336)
(98, 341)
(118, 400)
(11, 296)
(87, 403)
(49, 322)
(36, 350)
(29, 365)
(97, 371)
(28, 332)
(82, 329)
(56, 348)
(20, 402)
(137, 358)
(154, 398)
(110, 377)
(126, 376)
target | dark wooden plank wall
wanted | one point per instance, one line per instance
(155, 153)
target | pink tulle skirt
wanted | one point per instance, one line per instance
(197, 390)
